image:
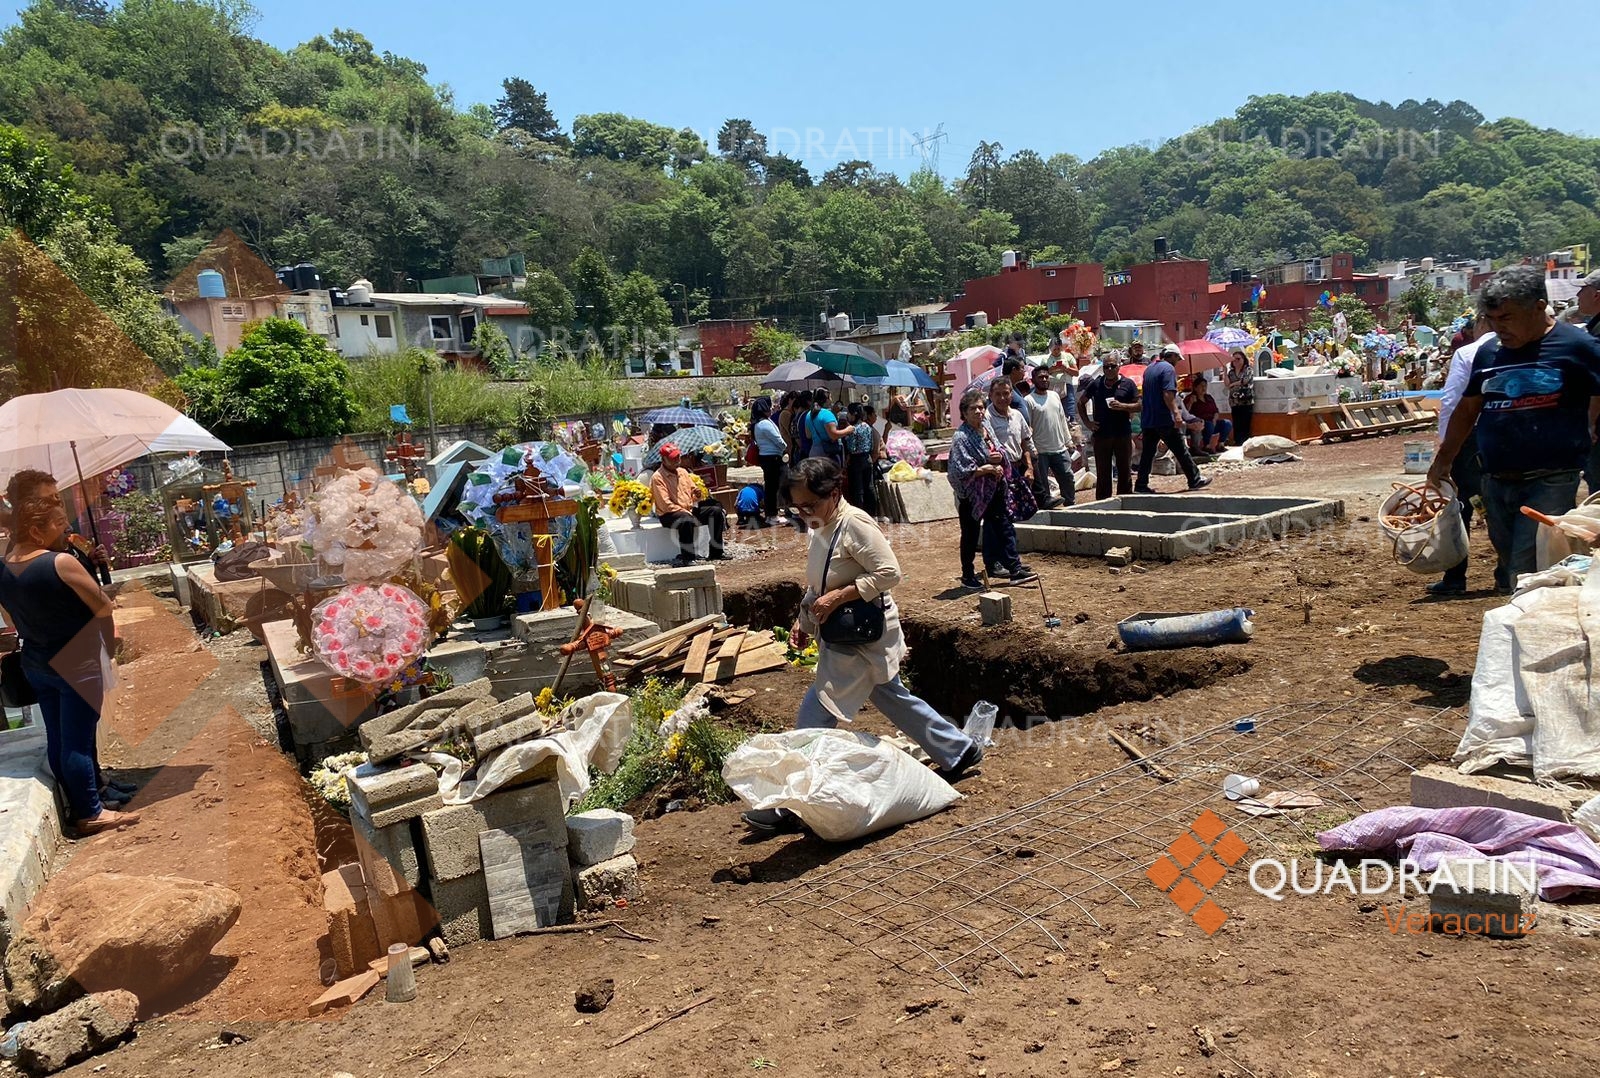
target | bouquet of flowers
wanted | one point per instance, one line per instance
(1078, 338)
(630, 494)
(119, 483)
(328, 777)
(700, 491)
(1345, 365)
(370, 634)
(365, 526)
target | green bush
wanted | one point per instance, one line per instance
(725, 367)
(281, 382)
(566, 387)
(692, 757)
(460, 397)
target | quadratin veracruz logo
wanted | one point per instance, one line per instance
(1196, 863)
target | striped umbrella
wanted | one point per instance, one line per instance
(678, 414)
(689, 440)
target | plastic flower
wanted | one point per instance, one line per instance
(365, 526)
(369, 634)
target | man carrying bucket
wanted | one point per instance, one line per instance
(1466, 473)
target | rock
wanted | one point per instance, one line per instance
(598, 835)
(594, 996)
(601, 885)
(146, 934)
(77, 1031)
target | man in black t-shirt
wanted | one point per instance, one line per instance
(1107, 404)
(1532, 398)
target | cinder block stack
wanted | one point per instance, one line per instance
(599, 844)
(384, 805)
(669, 597)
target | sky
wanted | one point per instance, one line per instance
(830, 81)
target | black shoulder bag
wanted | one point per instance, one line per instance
(855, 622)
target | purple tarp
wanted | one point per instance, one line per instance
(1568, 859)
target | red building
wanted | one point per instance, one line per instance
(1071, 288)
(1174, 292)
(1294, 290)
(722, 338)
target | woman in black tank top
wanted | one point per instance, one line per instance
(64, 620)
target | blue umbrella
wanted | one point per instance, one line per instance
(679, 414)
(1230, 337)
(902, 374)
(842, 357)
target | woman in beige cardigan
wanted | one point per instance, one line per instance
(863, 566)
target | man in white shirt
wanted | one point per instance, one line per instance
(1465, 472)
(1052, 443)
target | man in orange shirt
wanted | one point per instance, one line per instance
(678, 506)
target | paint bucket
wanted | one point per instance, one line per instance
(1419, 457)
(1235, 787)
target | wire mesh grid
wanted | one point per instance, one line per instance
(1003, 891)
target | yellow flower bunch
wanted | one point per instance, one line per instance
(630, 494)
(545, 700)
(700, 490)
(673, 747)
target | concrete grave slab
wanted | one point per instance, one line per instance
(1170, 527)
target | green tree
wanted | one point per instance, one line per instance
(1421, 302)
(494, 348)
(593, 293)
(617, 137)
(550, 305)
(741, 143)
(526, 109)
(642, 318)
(282, 381)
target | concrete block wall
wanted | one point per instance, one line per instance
(668, 597)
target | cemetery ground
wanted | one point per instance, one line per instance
(1313, 985)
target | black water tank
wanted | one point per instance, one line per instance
(306, 277)
(286, 277)
(1161, 248)
(1236, 276)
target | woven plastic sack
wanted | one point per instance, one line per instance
(1433, 545)
(842, 784)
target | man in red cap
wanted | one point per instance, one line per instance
(678, 506)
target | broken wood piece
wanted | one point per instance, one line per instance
(345, 992)
(695, 665)
(769, 657)
(661, 643)
(419, 957)
(648, 1026)
(1140, 758)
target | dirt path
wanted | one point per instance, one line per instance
(1314, 986)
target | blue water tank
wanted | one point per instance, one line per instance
(212, 285)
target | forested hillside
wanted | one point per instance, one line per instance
(181, 123)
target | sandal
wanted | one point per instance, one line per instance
(108, 820)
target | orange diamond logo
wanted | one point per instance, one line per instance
(1200, 858)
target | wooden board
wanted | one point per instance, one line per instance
(526, 876)
(695, 665)
(345, 992)
(768, 657)
(727, 658)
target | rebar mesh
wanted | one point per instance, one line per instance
(1003, 891)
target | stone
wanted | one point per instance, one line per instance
(404, 918)
(1483, 897)
(686, 577)
(391, 721)
(351, 932)
(147, 934)
(390, 860)
(528, 879)
(599, 886)
(77, 1031)
(1442, 786)
(376, 787)
(1119, 556)
(994, 607)
(450, 833)
(525, 728)
(598, 835)
(922, 501)
(546, 626)
(438, 949)
(463, 909)
(463, 660)
(595, 995)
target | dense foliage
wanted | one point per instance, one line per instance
(281, 382)
(460, 396)
(339, 154)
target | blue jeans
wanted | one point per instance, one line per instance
(1215, 428)
(940, 738)
(69, 730)
(1513, 534)
(999, 535)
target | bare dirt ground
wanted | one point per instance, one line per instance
(1312, 986)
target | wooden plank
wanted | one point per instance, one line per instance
(754, 640)
(769, 657)
(661, 642)
(525, 874)
(345, 992)
(727, 659)
(695, 665)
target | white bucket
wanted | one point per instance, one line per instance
(1419, 457)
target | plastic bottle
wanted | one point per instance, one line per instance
(980, 722)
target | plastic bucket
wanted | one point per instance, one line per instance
(1419, 458)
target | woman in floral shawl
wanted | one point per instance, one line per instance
(978, 472)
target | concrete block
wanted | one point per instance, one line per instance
(373, 787)
(622, 562)
(1119, 556)
(671, 607)
(546, 625)
(390, 860)
(496, 714)
(389, 815)
(686, 576)
(994, 607)
(450, 833)
(456, 696)
(404, 918)
(923, 501)
(598, 835)
(599, 886)
(523, 728)
(180, 583)
(351, 930)
(463, 660)
(1483, 897)
(463, 909)
(1442, 786)
(1042, 538)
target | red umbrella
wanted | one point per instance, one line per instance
(1199, 352)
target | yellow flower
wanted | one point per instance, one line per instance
(545, 699)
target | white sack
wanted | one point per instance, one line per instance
(1268, 445)
(595, 731)
(1434, 545)
(843, 784)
